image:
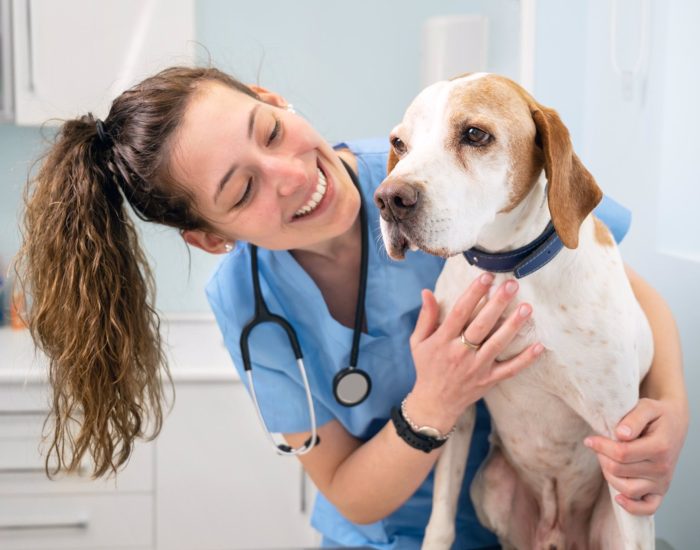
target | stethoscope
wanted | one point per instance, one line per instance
(351, 385)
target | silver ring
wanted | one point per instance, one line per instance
(468, 344)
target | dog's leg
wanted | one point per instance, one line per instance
(603, 415)
(637, 532)
(503, 503)
(604, 533)
(449, 473)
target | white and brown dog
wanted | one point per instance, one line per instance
(477, 163)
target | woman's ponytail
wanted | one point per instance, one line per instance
(87, 279)
(91, 305)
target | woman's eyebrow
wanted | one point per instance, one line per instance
(251, 120)
(230, 171)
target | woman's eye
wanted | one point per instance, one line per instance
(275, 132)
(246, 193)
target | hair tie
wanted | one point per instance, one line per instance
(102, 134)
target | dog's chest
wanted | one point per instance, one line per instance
(587, 323)
(573, 315)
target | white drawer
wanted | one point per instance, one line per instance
(60, 522)
(23, 409)
(18, 423)
(22, 472)
(32, 397)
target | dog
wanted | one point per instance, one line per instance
(478, 165)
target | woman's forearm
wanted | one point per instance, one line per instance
(665, 377)
(379, 477)
(367, 481)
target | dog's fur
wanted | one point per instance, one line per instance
(540, 487)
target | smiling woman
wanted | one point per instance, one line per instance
(283, 186)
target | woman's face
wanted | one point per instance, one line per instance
(257, 173)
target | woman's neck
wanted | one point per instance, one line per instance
(334, 266)
(338, 249)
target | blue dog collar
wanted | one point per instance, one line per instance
(522, 261)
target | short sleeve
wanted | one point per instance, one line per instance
(615, 216)
(278, 386)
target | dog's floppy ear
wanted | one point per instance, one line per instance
(391, 162)
(572, 191)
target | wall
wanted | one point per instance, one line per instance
(350, 68)
(643, 152)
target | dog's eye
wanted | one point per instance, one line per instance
(475, 136)
(398, 145)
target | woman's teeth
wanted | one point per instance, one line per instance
(315, 198)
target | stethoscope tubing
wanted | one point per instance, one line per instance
(285, 449)
(263, 315)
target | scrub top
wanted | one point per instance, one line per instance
(392, 305)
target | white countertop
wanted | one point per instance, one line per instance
(194, 348)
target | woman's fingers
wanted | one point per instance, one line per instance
(427, 318)
(646, 506)
(511, 367)
(643, 469)
(499, 340)
(481, 326)
(631, 488)
(460, 313)
(623, 452)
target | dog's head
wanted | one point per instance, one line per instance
(472, 148)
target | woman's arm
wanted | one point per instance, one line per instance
(368, 481)
(641, 463)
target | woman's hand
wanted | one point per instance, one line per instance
(640, 465)
(450, 375)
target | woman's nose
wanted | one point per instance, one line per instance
(288, 174)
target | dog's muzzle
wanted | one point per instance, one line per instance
(397, 201)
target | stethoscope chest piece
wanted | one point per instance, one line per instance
(351, 386)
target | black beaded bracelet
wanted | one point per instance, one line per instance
(417, 441)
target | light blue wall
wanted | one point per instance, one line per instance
(18, 148)
(351, 68)
(643, 152)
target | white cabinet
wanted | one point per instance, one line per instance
(210, 480)
(73, 511)
(74, 56)
(220, 484)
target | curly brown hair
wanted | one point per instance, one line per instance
(89, 284)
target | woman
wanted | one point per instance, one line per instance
(229, 165)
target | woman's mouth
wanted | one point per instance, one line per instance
(315, 198)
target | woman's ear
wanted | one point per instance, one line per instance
(209, 242)
(271, 98)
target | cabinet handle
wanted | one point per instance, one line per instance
(29, 412)
(28, 470)
(30, 52)
(81, 524)
(82, 470)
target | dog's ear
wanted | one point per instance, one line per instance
(572, 191)
(391, 162)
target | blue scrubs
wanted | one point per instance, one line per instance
(392, 305)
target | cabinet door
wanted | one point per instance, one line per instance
(75, 56)
(220, 485)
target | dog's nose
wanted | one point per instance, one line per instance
(396, 201)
